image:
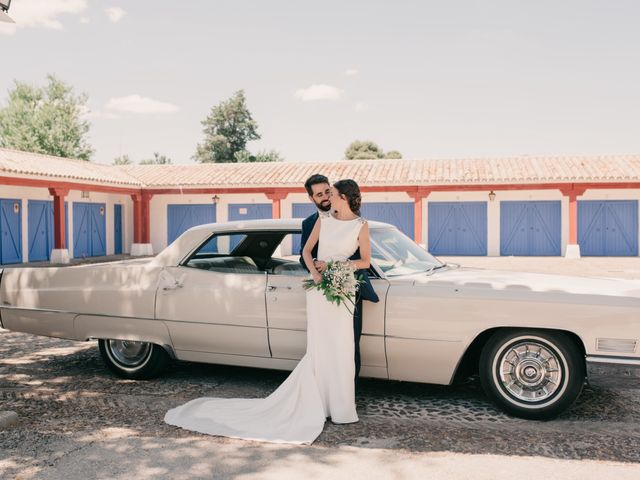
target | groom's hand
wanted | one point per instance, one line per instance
(320, 266)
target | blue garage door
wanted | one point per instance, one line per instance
(399, 214)
(301, 210)
(248, 211)
(608, 228)
(10, 231)
(40, 228)
(181, 218)
(458, 228)
(89, 228)
(530, 228)
(117, 229)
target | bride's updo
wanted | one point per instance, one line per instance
(350, 189)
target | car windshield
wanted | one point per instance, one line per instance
(396, 254)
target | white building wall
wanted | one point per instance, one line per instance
(493, 211)
(159, 203)
(24, 194)
(158, 209)
(287, 203)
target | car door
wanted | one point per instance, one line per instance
(287, 320)
(214, 303)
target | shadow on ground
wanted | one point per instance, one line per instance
(69, 402)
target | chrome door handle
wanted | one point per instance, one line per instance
(271, 288)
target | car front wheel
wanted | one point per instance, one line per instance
(130, 359)
(532, 374)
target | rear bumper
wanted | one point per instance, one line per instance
(613, 372)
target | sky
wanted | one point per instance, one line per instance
(432, 79)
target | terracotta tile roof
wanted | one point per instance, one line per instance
(396, 172)
(15, 162)
(524, 169)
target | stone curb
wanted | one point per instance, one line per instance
(7, 419)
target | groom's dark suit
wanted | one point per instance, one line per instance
(365, 292)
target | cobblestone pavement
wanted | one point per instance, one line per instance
(71, 406)
(63, 393)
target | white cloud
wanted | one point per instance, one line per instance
(318, 92)
(87, 113)
(138, 104)
(41, 14)
(85, 20)
(115, 14)
(351, 72)
(361, 107)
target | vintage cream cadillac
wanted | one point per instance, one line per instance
(230, 293)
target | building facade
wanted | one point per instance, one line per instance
(54, 208)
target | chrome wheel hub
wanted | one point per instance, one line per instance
(129, 353)
(530, 371)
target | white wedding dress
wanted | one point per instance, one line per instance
(321, 385)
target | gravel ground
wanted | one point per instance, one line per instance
(76, 420)
(68, 402)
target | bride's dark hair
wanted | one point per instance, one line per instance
(350, 189)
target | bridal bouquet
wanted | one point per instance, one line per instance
(338, 283)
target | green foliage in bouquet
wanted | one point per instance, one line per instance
(338, 283)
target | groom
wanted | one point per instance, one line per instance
(319, 189)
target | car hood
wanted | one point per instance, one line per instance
(536, 282)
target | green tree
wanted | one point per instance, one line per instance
(245, 156)
(227, 130)
(393, 154)
(367, 150)
(156, 160)
(269, 156)
(46, 120)
(363, 150)
(122, 160)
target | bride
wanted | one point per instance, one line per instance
(322, 384)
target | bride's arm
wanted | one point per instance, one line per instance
(365, 249)
(308, 248)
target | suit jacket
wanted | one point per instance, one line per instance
(366, 289)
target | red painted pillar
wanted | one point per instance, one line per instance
(418, 195)
(145, 211)
(573, 218)
(137, 217)
(59, 240)
(572, 192)
(276, 197)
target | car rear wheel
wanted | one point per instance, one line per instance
(532, 374)
(130, 359)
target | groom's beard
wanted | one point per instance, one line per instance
(324, 206)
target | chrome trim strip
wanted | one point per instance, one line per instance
(185, 322)
(45, 310)
(234, 354)
(602, 359)
(423, 339)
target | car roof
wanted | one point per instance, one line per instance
(266, 224)
(194, 236)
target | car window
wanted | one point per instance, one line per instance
(285, 258)
(217, 255)
(396, 254)
(223, 243)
